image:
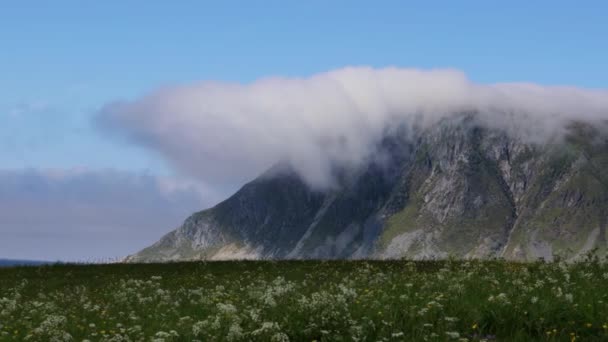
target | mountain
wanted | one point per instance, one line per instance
(457, 188)
(13, 262)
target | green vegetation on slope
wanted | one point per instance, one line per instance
(403, 221)
(306, 301)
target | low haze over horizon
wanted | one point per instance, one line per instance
(119, 119)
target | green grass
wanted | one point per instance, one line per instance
(403, 221)
(306, 301)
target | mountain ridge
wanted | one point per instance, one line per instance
(23, 262)
(457, 188)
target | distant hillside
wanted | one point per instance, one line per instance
(13, 262)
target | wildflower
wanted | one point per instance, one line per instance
(235, 332)
(199, 327)
(227, 309)
(279, 337)
(266, 327)
(453, 334)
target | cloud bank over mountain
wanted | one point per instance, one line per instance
(225, 133)
(64, 214)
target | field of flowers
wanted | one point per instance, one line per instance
(306, 301)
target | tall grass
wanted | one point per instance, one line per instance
(306, 301)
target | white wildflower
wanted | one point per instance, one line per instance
(453, 334)
(227, 309)
(235, 332)
(279, 337)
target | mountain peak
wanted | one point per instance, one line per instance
(458, 188)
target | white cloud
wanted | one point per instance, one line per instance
(223, 133)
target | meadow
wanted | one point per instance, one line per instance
(307, 301)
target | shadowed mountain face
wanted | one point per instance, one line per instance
(455, 189)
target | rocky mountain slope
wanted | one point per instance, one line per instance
(457, 188)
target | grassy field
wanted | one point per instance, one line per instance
(306, 301)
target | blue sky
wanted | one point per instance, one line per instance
(62, 61)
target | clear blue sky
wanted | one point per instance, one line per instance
(60, 61)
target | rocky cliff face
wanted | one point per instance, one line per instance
(456, 189)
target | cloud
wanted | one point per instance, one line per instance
(68, 214)
(224, 133)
